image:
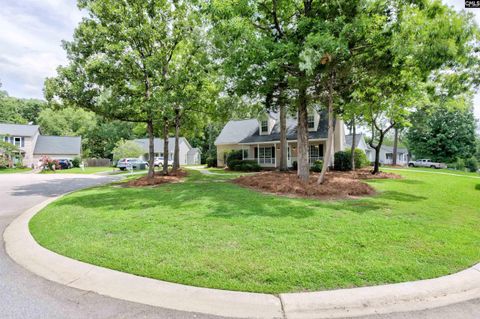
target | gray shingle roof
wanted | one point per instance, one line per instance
(235, 131)
(158, 144)
(18, 129)
(51, 145)
(389, 149)
(349, 138)
(247, 131)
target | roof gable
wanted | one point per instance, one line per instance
(235, 131)
(18, 129)
(57, 145)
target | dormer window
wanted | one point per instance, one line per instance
(311, 122)
(264, 126)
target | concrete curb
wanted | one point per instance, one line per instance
(417, 295)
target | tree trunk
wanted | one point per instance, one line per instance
(165, 147)
(376, 166)
(176, 154)
(328, 155)
(303, 170)
(151, 150)
(283, 134)
(354, 144)
(395, 147)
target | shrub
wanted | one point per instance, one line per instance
(76, 162)
(471, 164)
(211, 162)
(3, 162)
(342, 162)
(295, 165)
(49, 164)
(317, 166)
(460, 164)
(360, 158)
(233, 156)
(244, 166)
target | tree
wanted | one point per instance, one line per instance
(19, 111)
(119, 60)
(8, 151)
(126, 149)
(270, 41)
(402, 59)
(445, 134)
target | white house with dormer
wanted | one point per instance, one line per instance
(260, 138)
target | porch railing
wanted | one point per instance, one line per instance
(311, 160)
(262, 160)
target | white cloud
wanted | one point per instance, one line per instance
(30, 42)
(31, 35)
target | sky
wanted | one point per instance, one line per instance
(31, 42)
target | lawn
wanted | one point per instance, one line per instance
(443, 170)
(14, 170)
(211, 233)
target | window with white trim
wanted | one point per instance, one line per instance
(311, 121)
(264, 126)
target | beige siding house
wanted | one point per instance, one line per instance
(260, 139)
(33, 146)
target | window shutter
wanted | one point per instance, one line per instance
(256, 152)
(320, 150)
(22, 142)
(273, 151)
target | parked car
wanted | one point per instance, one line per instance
(65, 163)
(158, 161)
(426, 163)
(130, 163)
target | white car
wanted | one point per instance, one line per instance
(426, 163)
(158, 161)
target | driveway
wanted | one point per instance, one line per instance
(24, 295)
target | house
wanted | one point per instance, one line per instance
(33, 146)
(386, 152)
(188, 154)
(259, 138)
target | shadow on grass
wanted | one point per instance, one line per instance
(477, 187)
(217, 200)
(401, 197)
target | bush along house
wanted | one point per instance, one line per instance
(260, 139)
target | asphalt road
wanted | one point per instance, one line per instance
(24, 295)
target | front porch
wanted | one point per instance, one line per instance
(267, 155)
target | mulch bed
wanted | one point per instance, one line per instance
(338, 185)
(158, 179)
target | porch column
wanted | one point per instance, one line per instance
(275, 153)
(258, 154)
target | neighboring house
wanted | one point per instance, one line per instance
(260, 139)
(188, 154)
(194, 156)
(386, 152)
(34, 146)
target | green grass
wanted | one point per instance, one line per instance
(77, 170)
(211, 233)
(443, 170)
(14, 170)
